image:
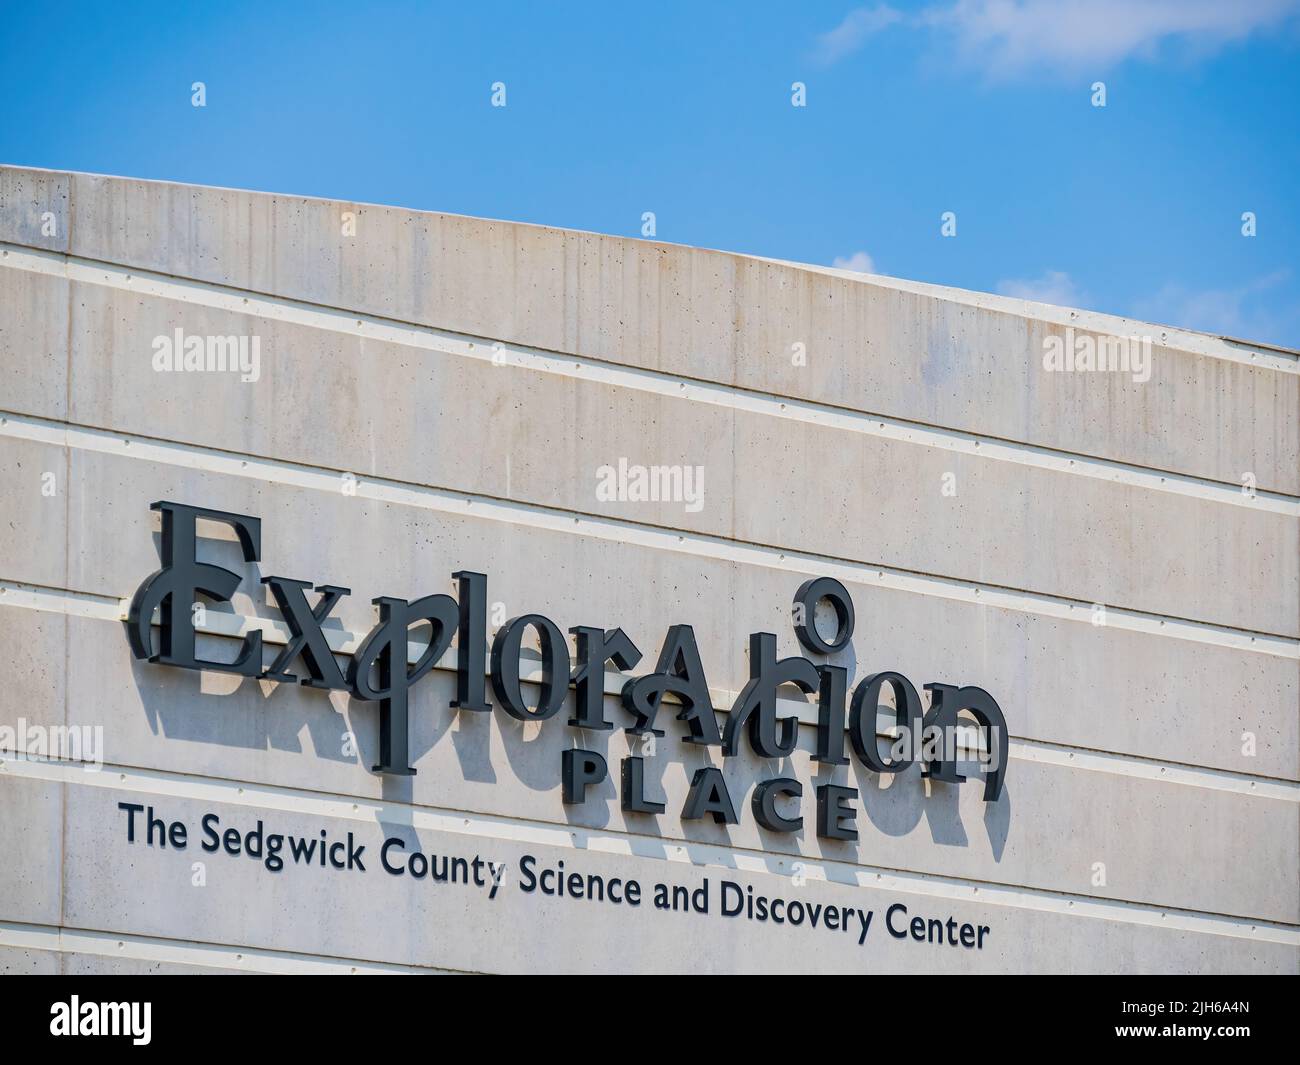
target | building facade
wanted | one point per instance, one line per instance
(388, 590)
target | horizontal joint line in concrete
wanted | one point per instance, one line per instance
(577, 367)
(198, 788)
(1190, 341)
(622, 530)
(110, 944)
(1186, 341)
(970, 740)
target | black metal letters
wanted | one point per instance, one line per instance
(381, 671)
(174, 589)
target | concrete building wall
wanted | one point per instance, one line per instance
(1115, 559)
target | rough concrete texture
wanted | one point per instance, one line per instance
(1117, 561)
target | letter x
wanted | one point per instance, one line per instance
(308, 639)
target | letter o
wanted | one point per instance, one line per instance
(555, 668)
(862, 719)
(812, 592)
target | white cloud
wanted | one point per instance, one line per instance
(860, 262)
(1055, 287)
(1069, 37)
(1009, 36)
(1250, 311)
(1264, 310)
(853, 31)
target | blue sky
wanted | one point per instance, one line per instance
(979, 107)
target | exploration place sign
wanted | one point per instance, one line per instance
(379, 671)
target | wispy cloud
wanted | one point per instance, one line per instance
(1256, 310)
(1265, 309)
(859, 261)
(852, 33)
(1055, 287)
(1006, 38)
